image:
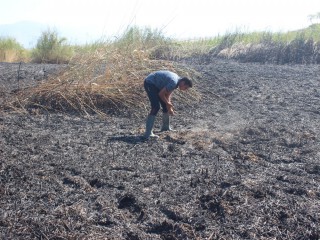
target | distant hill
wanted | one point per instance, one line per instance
(27, 33)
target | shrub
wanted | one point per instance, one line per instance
(51, 48)
(11, 50)
(140, 38)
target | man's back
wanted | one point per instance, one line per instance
(162, 79)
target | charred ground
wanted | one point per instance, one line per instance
(244, 163)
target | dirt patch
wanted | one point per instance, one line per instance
(244, 163)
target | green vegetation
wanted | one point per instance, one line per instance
(140, 38)
(51, 48)
(300, 47)
(11, 50)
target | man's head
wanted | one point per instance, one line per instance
(184, 83)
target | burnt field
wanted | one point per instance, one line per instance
(244, 162)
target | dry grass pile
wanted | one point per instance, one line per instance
(102, 82)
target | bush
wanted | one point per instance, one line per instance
(140, 38)
(11, 50)
(51, 48)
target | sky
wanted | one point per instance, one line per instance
(181, 19)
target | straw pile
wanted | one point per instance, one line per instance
(96, 83)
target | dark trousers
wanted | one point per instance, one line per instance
(155, 100)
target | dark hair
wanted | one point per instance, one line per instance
(186, 80)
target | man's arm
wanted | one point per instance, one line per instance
(165, 96)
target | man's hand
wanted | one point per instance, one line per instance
(169, 105)
(165, 96)
(170, 110)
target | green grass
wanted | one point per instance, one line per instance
(230, 38)
(11, 50)
(152, 43)
(301, 46)
(51, 48)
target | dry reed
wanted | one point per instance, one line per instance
(97, 83)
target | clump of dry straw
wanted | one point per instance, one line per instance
(97, 83)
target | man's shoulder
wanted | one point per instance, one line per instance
(167, 73)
